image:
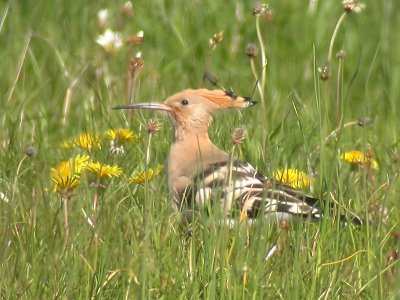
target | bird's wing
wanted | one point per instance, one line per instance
(243, 189)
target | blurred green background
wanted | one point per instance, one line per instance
(49, 53)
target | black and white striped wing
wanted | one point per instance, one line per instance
(241, 189)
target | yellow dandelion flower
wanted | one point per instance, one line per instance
(360, 159)
(144, 176)
(66, 176)
(104, 170)
(80, 163)
(293, 177)
(64, 183)
(121, 135)
(84, 141)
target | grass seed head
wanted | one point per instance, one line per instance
(127, 9)
(31, 151)
(136, 64)
(324, 71)
(216, 39)
(153, 126)
(239, 135)
(259, 9)
(136, 39)
(353, 6)
(341, 55)
(252, 50)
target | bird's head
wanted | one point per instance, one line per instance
(192, 109)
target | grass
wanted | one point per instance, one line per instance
(138, 247)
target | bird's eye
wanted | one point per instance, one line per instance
(184, 102)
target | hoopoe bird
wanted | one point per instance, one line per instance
(201, 175)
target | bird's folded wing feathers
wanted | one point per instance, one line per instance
(241, 188)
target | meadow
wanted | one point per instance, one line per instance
(327, 82)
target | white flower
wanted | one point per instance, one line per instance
(110, 41)
(102, 17)
(4, 197)
(128, 6)
(353, 6)
(140, 34)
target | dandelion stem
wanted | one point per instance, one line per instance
(231, 155)
(339, 92)
(67, 104)
(68, 95)
(66, 222)
(255, 74)
(131, 84)
(263, 57)
(95, 200)
(16, 176)
(335, 32)
(148, 150)
(206, 68)
(146, 224)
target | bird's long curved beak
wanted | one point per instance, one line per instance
(149, 105)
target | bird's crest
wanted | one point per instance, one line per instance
(224, 99)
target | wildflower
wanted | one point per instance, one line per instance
(216, 39)
(116, 149)
(127, 9)
(391, 257)
(324, 71)
(364, 121)
(144, 176)
(239, 135)
(121, 135)
(66, 176)
(31, 151)
(350, 6)
(153, 126)
(136, 63)
(110, 41)
(293, 177)
(103, 170)
(84, 141)
(118, 137)
(251, 50)
(4, 197)
(64, 182)
(268, 14)
(359, 159)
(259, 9)
(80, 162)
(135, 39)
(102, 17)
(341, 55)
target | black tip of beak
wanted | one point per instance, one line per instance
(251, 103)
(120, 107)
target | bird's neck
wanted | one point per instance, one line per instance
(191, 153)
(196, 147)
(187, 132)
